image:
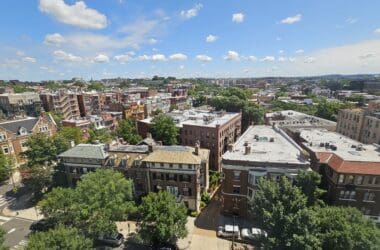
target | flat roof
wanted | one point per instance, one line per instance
(346, 148)
(295, 118)
(195, 117)
(268, 144)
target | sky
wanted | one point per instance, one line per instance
(61, 39)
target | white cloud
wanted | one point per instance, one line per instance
(282, 59)
(211, 38)
(158, 58)
(252, 58)
(281, 51)
(28, 59)
(232, 56)
(101, 58)
(309, 59)
(55, 38)
(178, 57)
(20, 53)
(268, 59)
(203, 58)
(300, 51)
(143, 58)
(152, 41)
(193, 12)
(292, 19)
(124, 57)
(44, 68)
(77, 14)
(377, 31)
(292, 59)
(351, 20)
(64, 56)
(238, 17)
(367, 56)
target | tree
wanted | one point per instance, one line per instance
(163, 219)
(61, 237)
(164, 129)
(2, 239)
(39, 178)
(100, 199)
(4, 167)
(71, 134)
(308, 182)
(126, 129)
(101, 135)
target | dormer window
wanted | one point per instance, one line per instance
(22, 131)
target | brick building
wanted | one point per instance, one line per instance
(27, 103)
(15, 133)
(350, 170)
(214, 130)
(262, 151)
(61, 101)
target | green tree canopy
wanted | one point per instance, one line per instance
(164, 129)
(126, 129)
(71, 134)
(5, 167)
(100, 198)
(2, 239)
(163, 219)
(59, 238)
(308, 182)
(101, 135)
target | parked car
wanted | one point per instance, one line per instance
(252, 233)
(42, 225)
(114, 240)
(228, 231)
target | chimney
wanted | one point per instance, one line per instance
(230, 147)
(247, 149)
(150, 148)
(196, 148)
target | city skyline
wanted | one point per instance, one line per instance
(60, 39)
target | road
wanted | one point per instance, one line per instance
(16, 230)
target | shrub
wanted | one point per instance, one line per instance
(205, 197)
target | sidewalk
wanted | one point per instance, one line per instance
(19, 209)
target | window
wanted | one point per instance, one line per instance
(251, 193)
(374, 180)
(185, 178)
(366, 211)
(236, 189)
(3, 137)
(171, 165)
(180, 166)
(186, 191)
(351, 179)
(236, 175)
(341, 179)
(171, 177)
(359, 180)
(161, 164)
(369, 196)
(6, 150)
(352, 195)
(347, 195)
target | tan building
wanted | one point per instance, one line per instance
(27, 103)
(359, 124)
(15, 133)
(350, 170)
(62, 101)
(134, 110)
(214, 130)
(262, 151)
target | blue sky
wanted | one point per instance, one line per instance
(60, 39)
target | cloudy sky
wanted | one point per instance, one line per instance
(61, 39)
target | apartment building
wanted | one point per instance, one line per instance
(27, 103)
(91, 103)
(180, 170)
(134, 110)
(350, 170)
(214, 130)
(262, 151)
(15, 133)
(359, 124)
(158, 102)
(62, 101)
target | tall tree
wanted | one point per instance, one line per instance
(101, 135)
(163, 219)
(126, 129)
(71, 134)
(164, 129)
(59, 238)
(4, 167)
(308, 182)
(39, 179)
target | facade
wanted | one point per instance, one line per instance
(159, 102)
(350, 170)
(214, 130)
(260, 151)
(61, 101)
(91, 103)
(359, 124)
(15, 133)
(134, 110)
(28, 103)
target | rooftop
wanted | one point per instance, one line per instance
(87, 151)
(177, 154)
(197, 117)
(294, 118)
(267, 144)
(15, 125)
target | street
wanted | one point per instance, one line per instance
(17, 231)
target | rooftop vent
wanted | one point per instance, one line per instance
(271, 139)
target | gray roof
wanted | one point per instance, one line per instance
(87, 151)
(14, 126)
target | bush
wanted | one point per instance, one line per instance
(202, 205)
(193, 213)
(214, 179)
(205, 197)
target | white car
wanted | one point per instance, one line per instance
(252, 233)
(228, 231)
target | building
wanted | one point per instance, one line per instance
(214, 130)
(134, 110)
(83, 124)
(350, 170)
(91, 103)
(63, 102)
(290, 121)
(27, 103)
(15, 133)
(359, 124)
(181, 170)
(260, 151)
(158, 102)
